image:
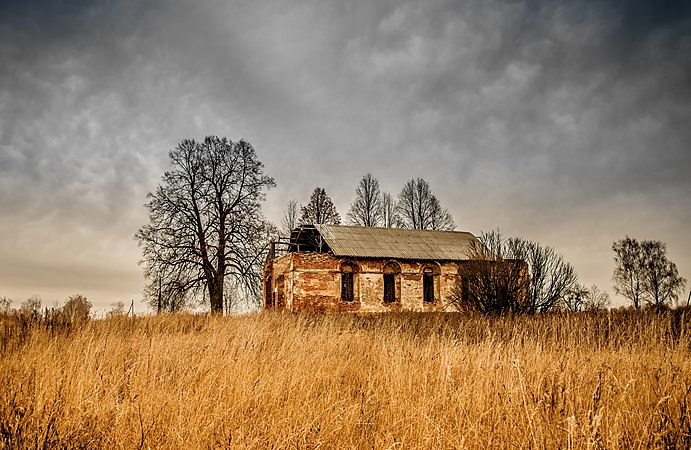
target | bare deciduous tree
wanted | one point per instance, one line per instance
(628, 271)
(662, 281)
(76, 309)
(205, 222)
(551, 277)
(319, 210)
(491, 281)
(515, 275)
(575, 299)
(31, 306)
(366, 209)
(581, 298)
(420, 209)
(596, 299)
(643, 273)
(290, 216)
(390, 217)
(117, 309)
(440, 218)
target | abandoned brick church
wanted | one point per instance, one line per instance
(346, 268)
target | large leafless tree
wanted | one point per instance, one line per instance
(419, 208)
(366, 209)
(319, 210)
(205, 222)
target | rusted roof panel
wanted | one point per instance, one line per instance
(369, 242)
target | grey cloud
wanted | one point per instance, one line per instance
(512, 110)
(547, 86)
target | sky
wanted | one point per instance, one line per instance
(563, 122)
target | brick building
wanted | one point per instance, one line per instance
(344, 268)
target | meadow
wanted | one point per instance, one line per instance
(618, 379)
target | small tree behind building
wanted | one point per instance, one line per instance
(366, 209)
(290, 216)
(390, 217)
(319, 210)
(419, 209)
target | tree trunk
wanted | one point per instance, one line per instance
(216, 296)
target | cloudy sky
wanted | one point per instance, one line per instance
(565, 122)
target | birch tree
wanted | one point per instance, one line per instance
(644, 274)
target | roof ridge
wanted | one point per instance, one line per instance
(392, 228)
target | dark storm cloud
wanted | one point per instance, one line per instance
(552, 99)
(543, 118)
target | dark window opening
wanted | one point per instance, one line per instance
(428, 286)
(347, 285)
(389, 288)
(392, 282)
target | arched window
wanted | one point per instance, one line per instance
(428, 275)
(392, 272)
(347, 284)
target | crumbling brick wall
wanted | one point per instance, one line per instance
(312, 281)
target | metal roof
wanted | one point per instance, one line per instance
(397, 243)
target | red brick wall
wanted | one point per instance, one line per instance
(312, 281)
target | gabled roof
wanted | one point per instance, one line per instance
(370, 242)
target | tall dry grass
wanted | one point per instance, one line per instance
(608, 380)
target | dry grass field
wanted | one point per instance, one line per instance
(607, 380)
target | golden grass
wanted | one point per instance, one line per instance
(608, 380)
